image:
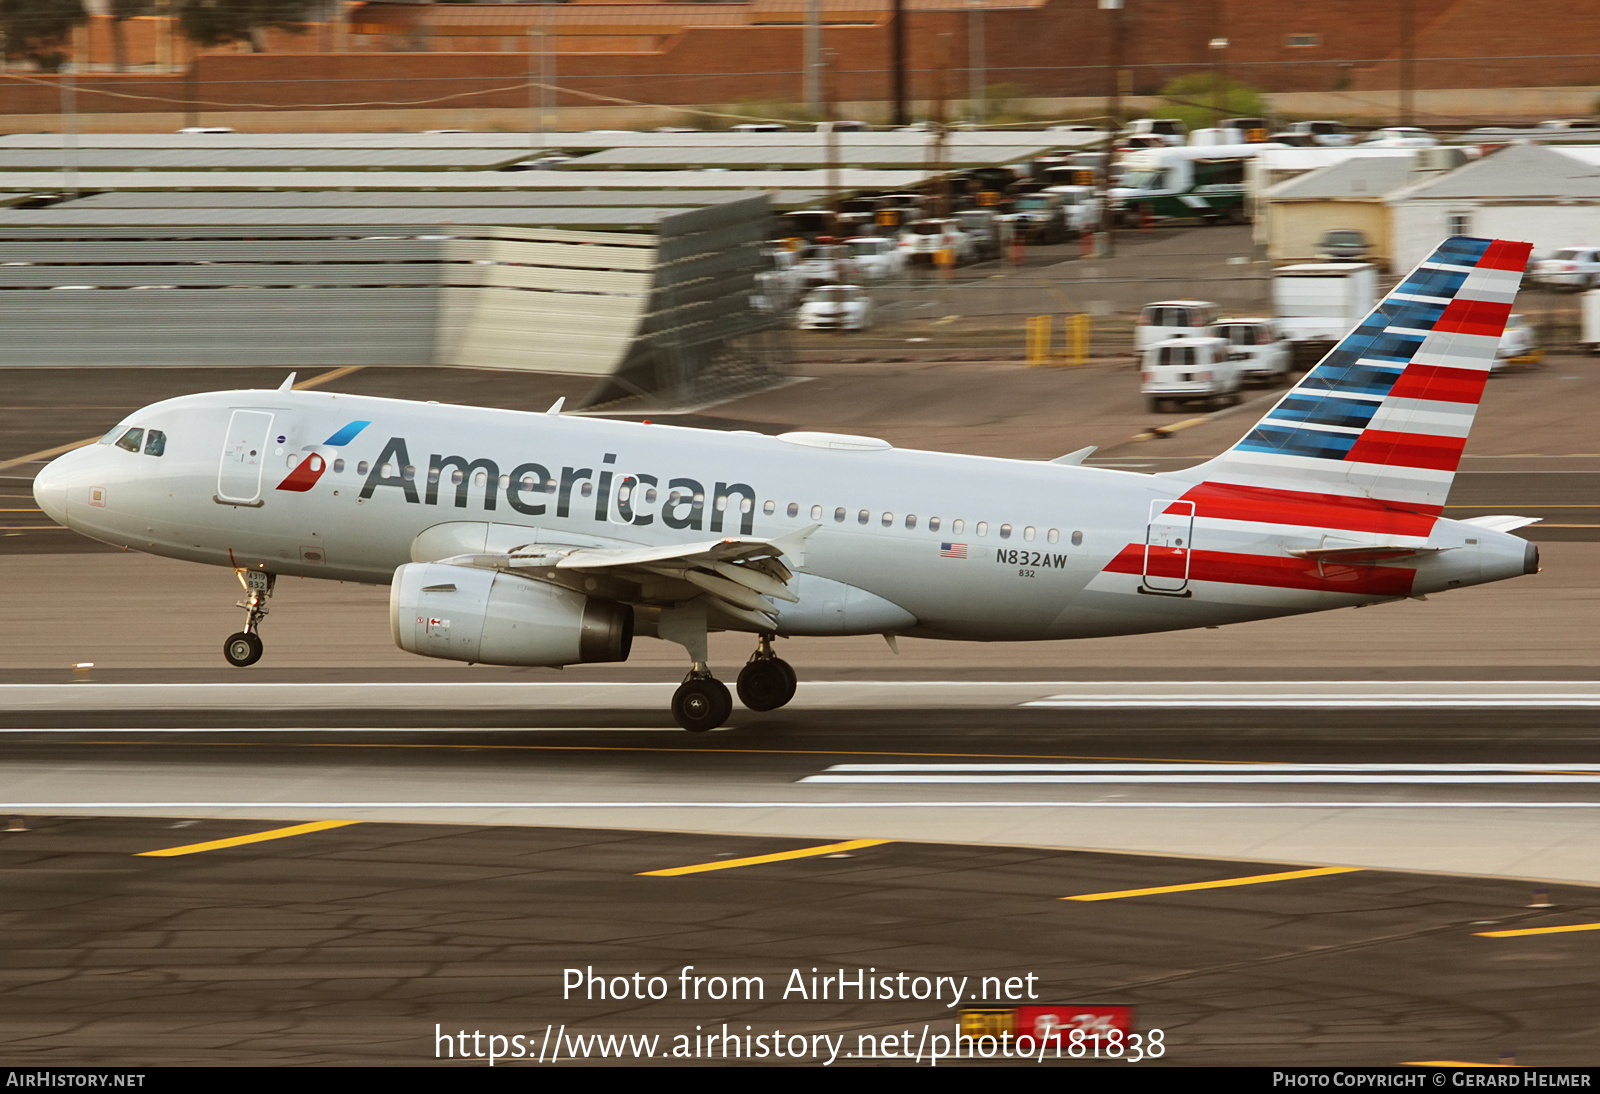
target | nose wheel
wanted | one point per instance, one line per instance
(244, 647)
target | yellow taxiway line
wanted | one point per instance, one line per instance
(1539, 930)
(239, 841)
(757, 860)
(1225, 883)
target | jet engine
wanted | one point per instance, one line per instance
(463, 613)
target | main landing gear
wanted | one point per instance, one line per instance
(244, 648)
(702, 701)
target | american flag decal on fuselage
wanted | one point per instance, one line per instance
(1363, 450)
(952, 550)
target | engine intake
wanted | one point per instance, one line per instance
(462, 613)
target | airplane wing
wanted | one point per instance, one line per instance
(734, 573)
(1502, 523)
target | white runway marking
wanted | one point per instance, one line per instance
(325, 807)
(1205, 774)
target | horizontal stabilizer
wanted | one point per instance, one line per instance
(1506, 523)
(1370, 553)
(1072, 459)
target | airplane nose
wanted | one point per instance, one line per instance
(50, 490)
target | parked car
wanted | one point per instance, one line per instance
(836, 307)
(1519, 346)
(824, 264)
(1188, 369)
(1573, 268)
(1400, 136)
(1169, 130)
(1080, 205)
(1168, 319)
(1339, 243)
(1316, 134)
(989, 233)
(874, 258)
(922, 240)
(1039, 217)
(1262, 354)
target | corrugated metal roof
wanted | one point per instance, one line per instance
(35, 181)
(1369, 177)
(411, 219)
(533, 144)
(1310, 159)
(254, 159)
(1515, 171)
(406, 199)
(780, 158)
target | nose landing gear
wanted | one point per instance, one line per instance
(244, 647)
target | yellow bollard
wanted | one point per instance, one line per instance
(1077, 333)
(1038, 340)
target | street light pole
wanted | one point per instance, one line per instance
(979, 105)
(1113, 8)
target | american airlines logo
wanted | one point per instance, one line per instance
(527, 487)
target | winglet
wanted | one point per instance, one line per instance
(1074, 458)
(288, 382)
(793, 544)
(555, 407)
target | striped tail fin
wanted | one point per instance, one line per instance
(1385, 415)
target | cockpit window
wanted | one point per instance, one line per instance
(132, 439)
(156, 443)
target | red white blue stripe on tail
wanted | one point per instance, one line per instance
(1385, 415)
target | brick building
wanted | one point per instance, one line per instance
(703, 53)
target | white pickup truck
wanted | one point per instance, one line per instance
(1261, 351)
(1317, 303)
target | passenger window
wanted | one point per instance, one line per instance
(338, 466)
(958, 526)
(291, 460)
(863, 516)
(481, 478)
(1028, 533)
(722, 503)
(456, 476)
(747, 504)
(649, 495)
(816, 512)
(361, 468)
(1054, 535)
(794, 509)
(911, 520)
(1077, 539)
(1005, 531)
(587, 490)
(433, 474)
(155, 444)
(699, 500)
(983, 528)
(888, 520)
(408, 472)
(838, 515)
(933, 524)
(769, 507)
(131, 440)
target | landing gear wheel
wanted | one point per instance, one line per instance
(701, 704)
(766, 685)
(242, 649)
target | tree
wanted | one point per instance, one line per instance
(223, 22)
(1191, 99)
(40, 30)
(121, 11)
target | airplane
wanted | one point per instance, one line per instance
(515, 538)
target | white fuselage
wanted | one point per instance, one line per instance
(905, 542)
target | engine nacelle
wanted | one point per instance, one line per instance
(463, 613)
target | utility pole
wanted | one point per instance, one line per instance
(1113, 10)
(1408, 48)
(813, 57)
(897, 31)
(938, 123)
(979, 105)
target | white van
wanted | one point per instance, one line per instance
(1174, 319)
(1188, 369)
(1261, 352)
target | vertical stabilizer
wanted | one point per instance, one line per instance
(1385, 415)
